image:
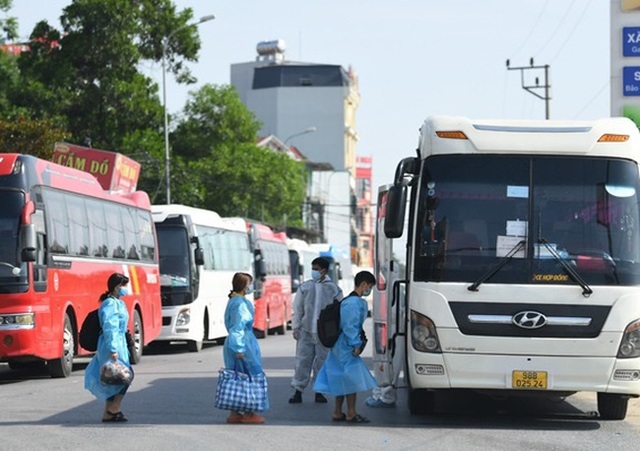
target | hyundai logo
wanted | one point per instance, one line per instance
(529, 320)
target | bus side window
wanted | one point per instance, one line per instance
(133, 253)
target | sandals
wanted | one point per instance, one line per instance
(234, 418)
(252, 418)
(342, 417)
(117, 417)
(357, 419)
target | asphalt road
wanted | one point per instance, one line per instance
(170, 406)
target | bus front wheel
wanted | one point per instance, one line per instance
(138, 338)
(196, 345)
(421, 402)
(61, 367)
(612, 407)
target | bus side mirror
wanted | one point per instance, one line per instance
(394, 219)
(262, 270)
(29, 243)
(198, 255)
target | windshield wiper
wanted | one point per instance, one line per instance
(586, 290)
(489, 274)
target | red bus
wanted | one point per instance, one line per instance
(272, 281)
(61, 236)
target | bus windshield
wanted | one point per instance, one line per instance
(10, 264)
(173, 244)
(582, 212)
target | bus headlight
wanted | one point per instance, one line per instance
(630, 344)
(423, 334)
(184, 317)
(19, 320)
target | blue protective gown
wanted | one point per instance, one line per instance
(238, 319)
(342, 372)
(114, 319)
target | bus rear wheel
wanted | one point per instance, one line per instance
(612, 406)
(61, 367)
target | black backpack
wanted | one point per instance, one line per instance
(90, 331)
(329, 324)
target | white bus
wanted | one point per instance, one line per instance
(340, 266)
(301, 254)
(522, 261)
(199, 254)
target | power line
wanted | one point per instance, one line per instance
(572, 31)
(592, 99)
(535, 25)
(558, 27)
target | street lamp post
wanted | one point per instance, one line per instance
(167, 157)
(303, 132)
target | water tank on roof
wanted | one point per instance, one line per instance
(270, 47)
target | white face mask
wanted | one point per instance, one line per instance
(366, 292)
(315, 274)
(249, 288)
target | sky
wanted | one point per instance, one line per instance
(414, 58)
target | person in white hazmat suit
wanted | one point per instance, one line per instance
(312, 296)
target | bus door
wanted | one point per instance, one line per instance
(388, 305)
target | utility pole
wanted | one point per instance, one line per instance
(533, 88)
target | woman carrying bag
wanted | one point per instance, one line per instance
(242, 355)
(109, 373)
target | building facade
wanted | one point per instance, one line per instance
(363, 256)
(291, 97)
(311, 107)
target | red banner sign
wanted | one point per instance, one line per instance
(114, 171)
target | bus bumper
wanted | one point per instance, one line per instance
(526, 373)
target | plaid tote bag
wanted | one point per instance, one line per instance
(241, 391)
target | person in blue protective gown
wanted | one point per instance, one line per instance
(242, 343)
(344, 373)
(112, 346)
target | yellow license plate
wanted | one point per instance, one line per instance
(529, 380)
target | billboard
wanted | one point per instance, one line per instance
(625, 59)
(115, 172)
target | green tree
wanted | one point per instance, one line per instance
(33, 137)
(215, 116)
(85, 77)
(9, 73)
(8, 25)
(225, 170)
(88, 73)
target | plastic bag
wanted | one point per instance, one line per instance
(115, 372)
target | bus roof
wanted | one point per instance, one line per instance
(330, 250)
(237, 224)
(609, 137)
(259, 231)
(296, 244)
(39, 172)
(198, 215)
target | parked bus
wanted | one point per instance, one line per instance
(301, 254)
(522, 263)
(272, 281)
(61, 236)
(199, 254)
(340, 266)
